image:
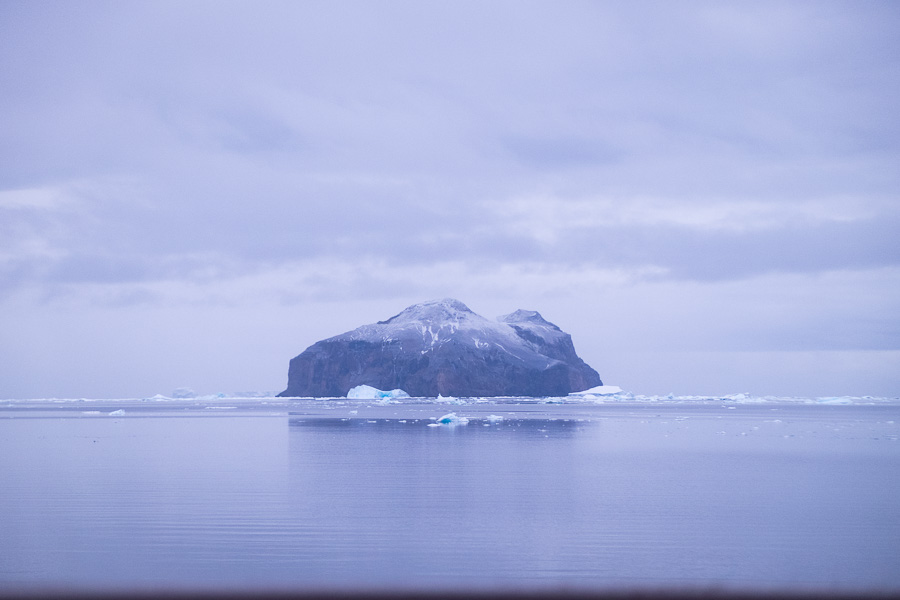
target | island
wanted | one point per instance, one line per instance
(441, 347)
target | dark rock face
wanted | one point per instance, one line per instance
(442, 347)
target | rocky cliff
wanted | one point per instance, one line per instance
(442, 347)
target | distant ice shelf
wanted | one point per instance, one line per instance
(600, 390)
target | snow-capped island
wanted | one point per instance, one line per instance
(442, 347)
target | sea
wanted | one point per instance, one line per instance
(579, 494)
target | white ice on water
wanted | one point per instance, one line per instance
(606, 394)
(835, 400)
(451, 419)
(367, 392)
(600, 390)
(449, 400)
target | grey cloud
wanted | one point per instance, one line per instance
(249, 133)
(821, 248)
(219, 239)
(388, 139)
(688, 253)
(549, 153)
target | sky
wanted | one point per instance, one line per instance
(704, 194)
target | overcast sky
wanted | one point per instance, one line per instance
(704, 194)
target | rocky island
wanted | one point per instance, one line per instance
(442, 347)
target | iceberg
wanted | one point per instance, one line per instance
(448, 400)
(367, 392)
(117, 413)
(835, 400)
(600, 390)
(451, 419)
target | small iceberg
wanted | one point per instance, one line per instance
(448, 400)
(367, 392)
(451, 419)
(600, 390)
(117, 413)
(835, 400)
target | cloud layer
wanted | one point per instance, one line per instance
(585, 159)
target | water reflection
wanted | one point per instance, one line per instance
(540, 502)
(491, 425)
(482, 504)
(377, 499)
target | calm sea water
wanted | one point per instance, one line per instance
(346, 495)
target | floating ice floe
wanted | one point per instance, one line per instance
(600, 393)
(117, 413)
(493, 418)
(600, 390)
(367, 392)
(451, 419)
(448, 400)
(835, 400)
